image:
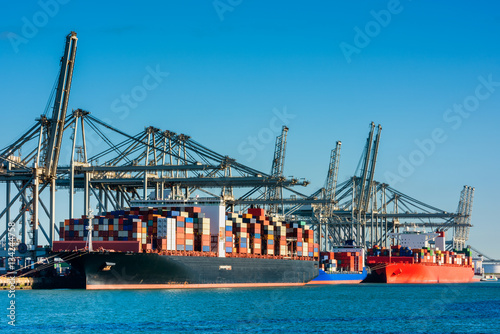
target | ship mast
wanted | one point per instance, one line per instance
(90, 216)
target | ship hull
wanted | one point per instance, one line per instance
(420, 273)
(154, 271)
(325, 278)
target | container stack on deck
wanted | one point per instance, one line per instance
(344, 261)
(187, 229)
(172, 229)
(421, 255)
(258, 234)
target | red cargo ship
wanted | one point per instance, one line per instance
(413, 261)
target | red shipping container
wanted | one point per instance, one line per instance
(162, 243)
(257, 212)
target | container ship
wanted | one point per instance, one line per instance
(413, 261)
(343, 265)
(187, 244)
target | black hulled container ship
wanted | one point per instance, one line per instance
(187, 244)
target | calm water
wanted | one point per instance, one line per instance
(366, 308)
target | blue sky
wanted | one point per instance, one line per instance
(233, 65)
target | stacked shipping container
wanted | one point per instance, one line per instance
(172, 229)
(344, 261)
(420, 255)
(187, 229)
(258, 234)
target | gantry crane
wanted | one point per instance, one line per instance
(159, 160)
(463, 223)
(39, 168)
(276, 193)
(324, 213)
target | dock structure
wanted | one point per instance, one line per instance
(157, 164)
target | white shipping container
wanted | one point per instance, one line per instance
(171, 233)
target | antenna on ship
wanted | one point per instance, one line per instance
(90, 216)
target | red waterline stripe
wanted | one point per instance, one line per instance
(184, 286)
(334, 282)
